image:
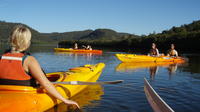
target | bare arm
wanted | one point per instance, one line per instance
(35, 69)
(176, 53)
(157, 52)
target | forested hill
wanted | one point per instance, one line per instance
(106, 34)
(37, 37)
(193, 27)
(186, 37)
(6, 28)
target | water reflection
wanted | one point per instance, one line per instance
(130, 67)
(87, 56)
(78, 53)
(153, 71)
(84, 98)
(152, 66)
(193, 64)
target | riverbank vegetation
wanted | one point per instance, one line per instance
(185, 37)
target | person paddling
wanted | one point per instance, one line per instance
(75, 46)
(172, 52)
(89, 47)
(18, 68)
(154, 51)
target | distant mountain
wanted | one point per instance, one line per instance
(106, 34)
(75, 35)
(6, 28)
(101, 34)
(186, 37)
(37, 37)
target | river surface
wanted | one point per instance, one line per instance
(177, 84)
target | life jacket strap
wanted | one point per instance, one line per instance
(11, 58)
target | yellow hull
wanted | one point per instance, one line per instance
(145, 58)
(29, 99)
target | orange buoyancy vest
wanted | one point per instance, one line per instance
(153, 52)
(173, 52)
(12, 71)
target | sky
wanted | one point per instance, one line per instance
(130, 16)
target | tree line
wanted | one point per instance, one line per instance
(185, 37)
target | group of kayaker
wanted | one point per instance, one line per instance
(155, 52)
(19, 68)
(88, 47)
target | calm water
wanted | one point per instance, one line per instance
(177, 84)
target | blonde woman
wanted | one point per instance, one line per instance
(17, 68)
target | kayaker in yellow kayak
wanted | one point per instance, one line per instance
(89, 47)
(84, 47)
(75, 46)
(18, 68)
(154, 51)
(172, 52)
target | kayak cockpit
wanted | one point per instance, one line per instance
(56, 76)
(53, 77)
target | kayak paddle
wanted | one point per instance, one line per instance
(89, 83)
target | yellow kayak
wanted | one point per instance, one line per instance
(77, 50)
(29, 99)
(145, 58)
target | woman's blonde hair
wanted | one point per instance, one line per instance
(20, 38)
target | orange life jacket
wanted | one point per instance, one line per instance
(172, 52)
(153, 52)
(12, 71)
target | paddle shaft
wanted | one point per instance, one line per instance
(89, 83)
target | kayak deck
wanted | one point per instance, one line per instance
(25, 99)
